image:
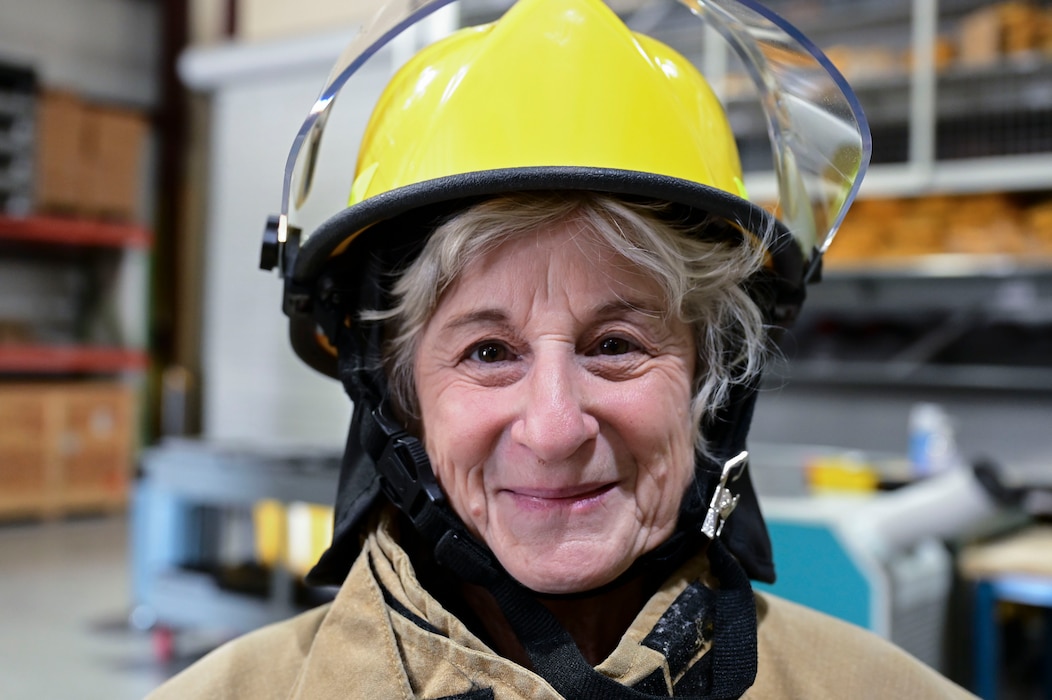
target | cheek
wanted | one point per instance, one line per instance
(661, 437)
(460, 436)
(667, 471)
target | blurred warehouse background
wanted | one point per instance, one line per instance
(167, 464)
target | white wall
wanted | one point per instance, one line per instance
(264, 19)
(273, 19)
(254, 389)
(103, 49)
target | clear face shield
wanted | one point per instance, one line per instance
(819, 140)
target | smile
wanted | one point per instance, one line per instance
(576, 497)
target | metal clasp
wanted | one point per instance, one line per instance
(723, 501)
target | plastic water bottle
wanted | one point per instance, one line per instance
(932, 444)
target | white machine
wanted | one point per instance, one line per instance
(877, 559)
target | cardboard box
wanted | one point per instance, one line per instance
(112, 161)
(58, 134)
(89, 158)
(25, 470)
(65, 447)
(981, 38)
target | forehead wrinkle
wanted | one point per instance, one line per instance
(623, 305)
(632, 288)
(617, 265)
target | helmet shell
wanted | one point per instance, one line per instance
(557, 94)
(550, 84)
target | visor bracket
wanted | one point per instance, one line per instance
(280, 245)
(270, 250)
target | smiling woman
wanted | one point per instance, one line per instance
(550, 302)
(554, 396)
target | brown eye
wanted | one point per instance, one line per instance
(614, 346)
(490, 352)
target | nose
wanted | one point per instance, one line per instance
(554, 422)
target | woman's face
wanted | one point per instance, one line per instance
(555, 398)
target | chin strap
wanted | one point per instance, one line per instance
(557, 659)
(408, 481)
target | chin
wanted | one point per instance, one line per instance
(555, 578)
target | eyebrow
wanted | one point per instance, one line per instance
(607, 311)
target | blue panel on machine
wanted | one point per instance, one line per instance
(815, 570)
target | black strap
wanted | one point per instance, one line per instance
(734, 637)
(555, 656)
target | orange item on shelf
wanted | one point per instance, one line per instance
(884, 230)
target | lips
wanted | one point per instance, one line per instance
(571, 496)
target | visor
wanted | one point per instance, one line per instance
(820, 142)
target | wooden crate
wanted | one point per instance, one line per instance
(65, 448)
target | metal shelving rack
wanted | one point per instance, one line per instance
(912, 107)
(73, 359)
(937, 130)
(926, 329)
(98, 330)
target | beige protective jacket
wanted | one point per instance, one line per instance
(361, 646)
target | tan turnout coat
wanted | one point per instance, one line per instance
(360, 647)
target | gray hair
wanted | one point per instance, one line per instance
(702, 279)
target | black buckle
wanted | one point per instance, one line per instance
(405, 471)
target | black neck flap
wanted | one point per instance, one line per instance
(745, 533)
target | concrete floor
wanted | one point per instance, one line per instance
(64, 607)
